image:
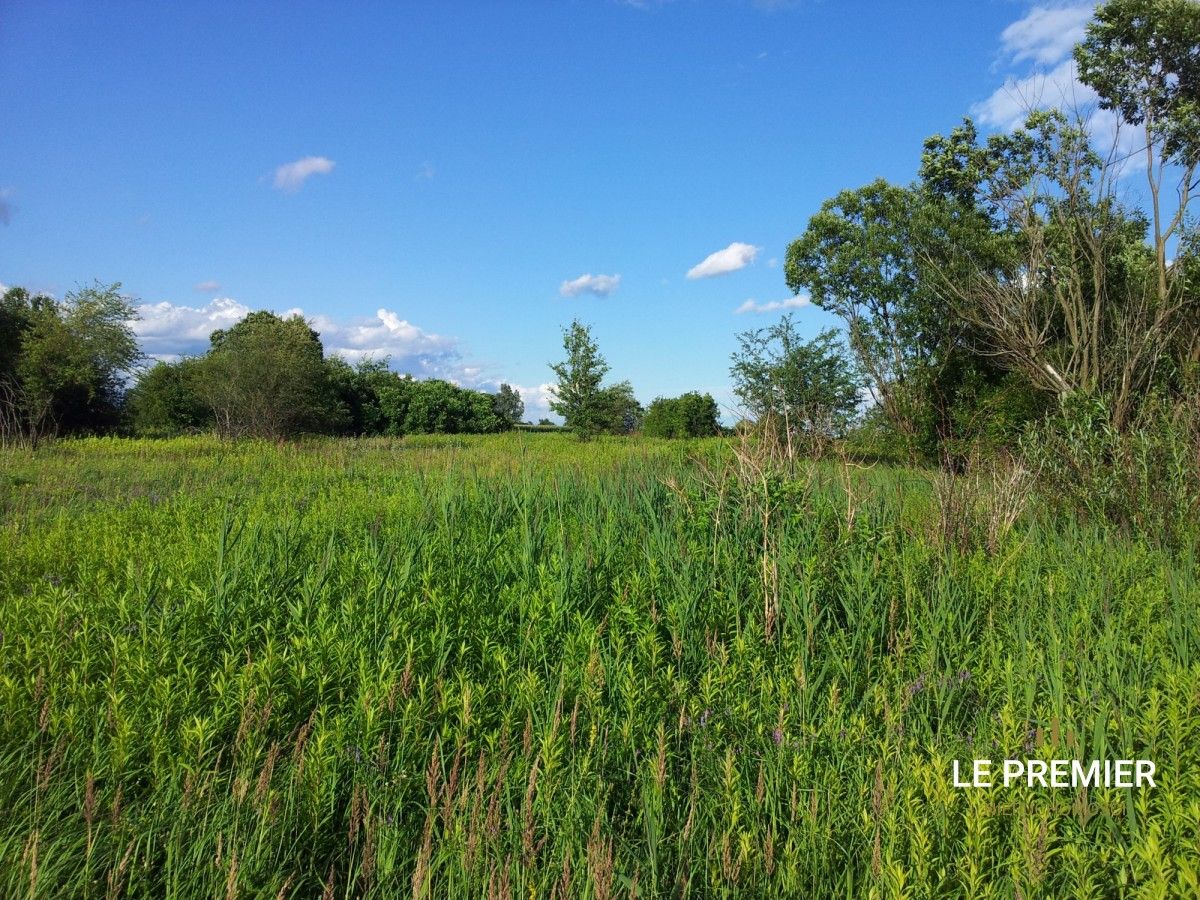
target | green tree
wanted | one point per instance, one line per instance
(394, 397)
(358, 391)
(804, 387)
(1141, 58)
(578, 396)
(621, 413)
(266, 377)
(17, 312)
(63, 363)
(508, 405)
(1071, 304)
(690, 415)
(434, 406)
(858, 258)
(164, 400)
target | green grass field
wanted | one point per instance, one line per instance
(523, 666)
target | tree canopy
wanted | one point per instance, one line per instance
(690, 415)
(803, 386)
(580, 397)
(63, 363)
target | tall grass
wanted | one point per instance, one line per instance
(523, 666)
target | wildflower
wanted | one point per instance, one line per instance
(1030, 739)
(777, 735)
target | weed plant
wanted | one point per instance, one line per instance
(522, 666)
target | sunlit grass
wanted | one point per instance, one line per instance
(520, 665)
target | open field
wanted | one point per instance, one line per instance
(519, 665)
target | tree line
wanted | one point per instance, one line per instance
(1020, 283)
(66, 365)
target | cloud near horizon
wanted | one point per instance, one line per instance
(411, 348)
(168, 331)
(290, 177)
(753, 306)
(596, 285)
(536, 399)
(208, 287)
(736, 256)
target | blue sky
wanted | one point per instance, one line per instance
(434, 180)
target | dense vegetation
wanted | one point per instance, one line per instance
(525, 666)
(1018, 275)
(690, 415)
(261, 660)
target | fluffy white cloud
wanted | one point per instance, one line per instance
(1047, 34)
(291, 176)
(1043, 38)
(412, 349)
(1010, 104)
(208, 287)
(753, 306)
(598, 285)
(736, 256)
(167, 331)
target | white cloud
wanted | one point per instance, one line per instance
(167, 331)
(1045, 37)
(1047, 34)
(1009, 105)
(291, 176)
(598, 285)
(736, 256)
(411, 348)
(6, 207)
(753, 306)
(208, 287)
(536, 399)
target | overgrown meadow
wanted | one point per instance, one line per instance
(526, 666)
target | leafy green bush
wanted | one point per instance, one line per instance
(690, 415)
(1144, 480)
(164, 402)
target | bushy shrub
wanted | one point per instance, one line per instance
(690, 415)
(1145, 479)
(164, 402)
(434, 406)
